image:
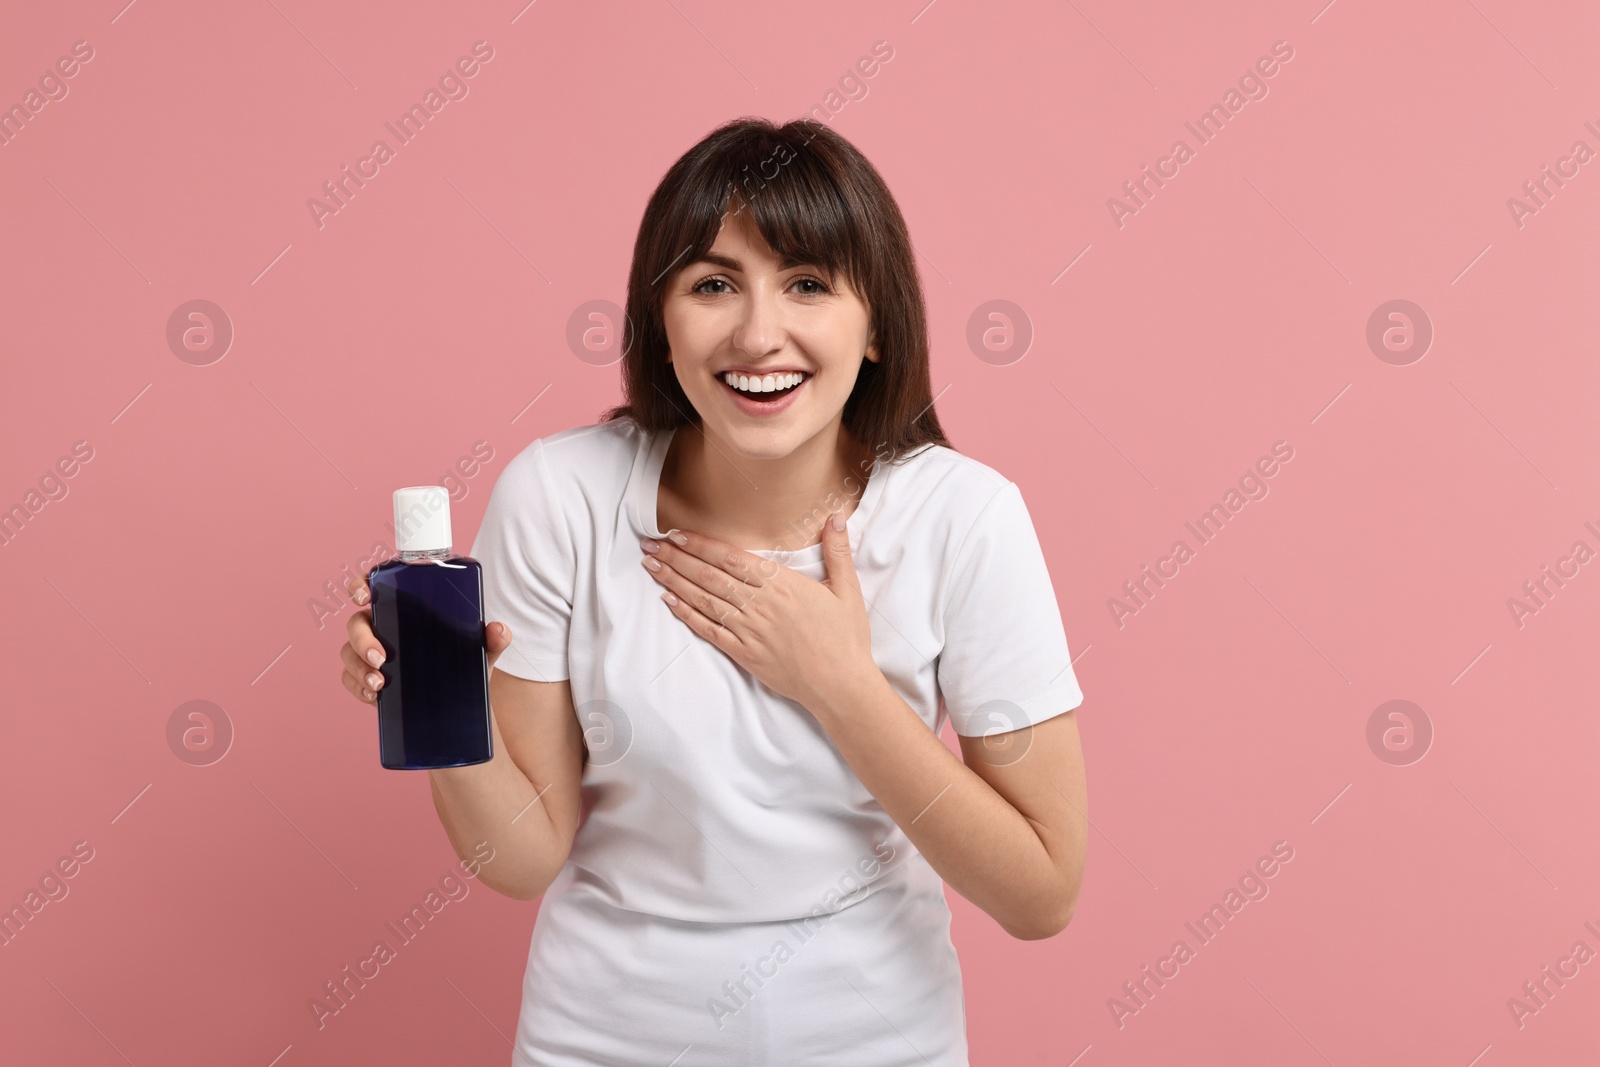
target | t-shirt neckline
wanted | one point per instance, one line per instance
(645, 499)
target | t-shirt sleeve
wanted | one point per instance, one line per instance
(1004, 664)
(526, 547)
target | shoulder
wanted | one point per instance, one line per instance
(942, 489)
(581, 460)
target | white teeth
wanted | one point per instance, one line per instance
(769, 383)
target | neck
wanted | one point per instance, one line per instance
(766, 503)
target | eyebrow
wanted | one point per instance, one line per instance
(729, 263)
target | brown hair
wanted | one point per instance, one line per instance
(813, 196)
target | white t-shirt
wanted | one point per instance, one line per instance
(707, 796)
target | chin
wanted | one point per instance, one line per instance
(763, 442)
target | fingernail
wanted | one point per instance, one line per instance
(367, 693)
(374, 681)
(669, 598)
(374, 657)
(653, 564)
(650, 546)
(676, 537)
(838, 520)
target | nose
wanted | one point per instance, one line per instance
(761, 328)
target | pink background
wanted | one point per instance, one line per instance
(1229, 313)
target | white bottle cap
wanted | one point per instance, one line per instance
(422, 518)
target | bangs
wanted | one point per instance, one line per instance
(786, 191)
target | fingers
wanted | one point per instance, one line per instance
(715, 608)
(357, 690)
(496, 639)
(722, 636)
(735, 564)
(359, 677)
(353, 687)
(714, 580)
(363, 654)
(362, 639)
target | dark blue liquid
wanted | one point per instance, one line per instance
(433, 707)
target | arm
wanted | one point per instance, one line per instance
(1008, 832)
(536, 740)
(525, 801)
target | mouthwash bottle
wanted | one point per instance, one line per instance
(427, 613)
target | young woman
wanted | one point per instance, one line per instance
(728, 622)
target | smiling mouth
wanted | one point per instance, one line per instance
(764, 389)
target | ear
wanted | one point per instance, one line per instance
(872, 352)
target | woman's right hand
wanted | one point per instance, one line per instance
(362, 655)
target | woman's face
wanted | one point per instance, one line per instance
(741, 311)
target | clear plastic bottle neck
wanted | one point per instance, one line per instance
(427, 553)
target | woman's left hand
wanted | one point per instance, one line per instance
(806, 640)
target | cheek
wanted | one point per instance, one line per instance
(842, 364)
(691, 341)
(839, 381)
(697, 384)
(836, 342)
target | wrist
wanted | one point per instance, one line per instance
(847, 692)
